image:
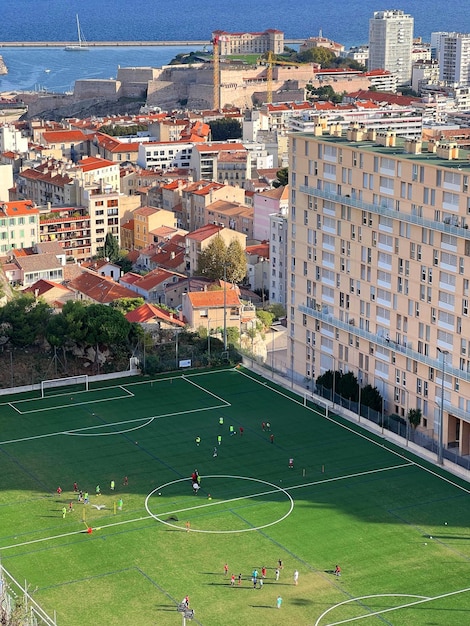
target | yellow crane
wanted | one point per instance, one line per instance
(269, 77)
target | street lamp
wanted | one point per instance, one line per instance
(225, 307)
(441, 412)
(272, 352)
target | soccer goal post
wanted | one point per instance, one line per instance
(70, 383)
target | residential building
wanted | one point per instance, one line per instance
(391, 43)
(424, 73)
(216, 309)
(152, 286)
(379, 266)
(453, 54)
(265, 203)
(152, 318)
(65, 144)
(257, 267)
(6, 181)
(165, 155)
(114, 149)
(198, 240)
(34, 267)
(12, 139)
(71, 228)
(55, 294)
(103, 267)
(322, 42)
(231, 215)
(90, 287)
(249, 43)
(147, 219)
(19, 225)
(222, 162)
(278, 262)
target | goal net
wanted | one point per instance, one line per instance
(64, 385)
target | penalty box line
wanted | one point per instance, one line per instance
(108, 425)
(75, 404)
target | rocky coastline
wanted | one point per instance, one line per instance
(3, 67)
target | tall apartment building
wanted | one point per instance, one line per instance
(250, 43)
(391, 43)
(379, 270)
(452, 50)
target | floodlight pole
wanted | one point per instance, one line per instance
(208, 341)
(441, 412)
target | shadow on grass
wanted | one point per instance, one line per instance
(301, 602)
(262, 606)
(165, 607)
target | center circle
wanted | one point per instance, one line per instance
(275, 488)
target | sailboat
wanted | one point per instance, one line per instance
(81, 45)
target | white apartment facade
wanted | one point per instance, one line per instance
(391, 43)
(379, 271)
(454, 58)
(165, 155)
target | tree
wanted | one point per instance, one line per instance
(212, 259)
(236, 262)
(348, 387)
(282, 177)
(24, 319)
(110, 249)
(414, 417)
(124, 305)
(322, 56)
(266, 317)
(277, 310)
(217, 256)
(106, 325)
(225, 128)
(370, 396)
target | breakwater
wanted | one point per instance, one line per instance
(117, 44)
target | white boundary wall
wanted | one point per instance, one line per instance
(37, 386)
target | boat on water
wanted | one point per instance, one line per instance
(81, 45)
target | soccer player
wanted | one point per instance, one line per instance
(120, 503)
(219, 440)
(263, 425)
(337, 570)
(221, 421)
(64, 512)
(271, 438)
(59, 491)
(277, 573)
(86, 499)
(75, 487)
(188, 526)
(98, 490)
(241, 431)
(240, 578)
(279, 602)
(291, 463)
(198, 440)
(231, 430)
(125, 481)
(195, 488)
(263, 572)
(112, 485)
(214, 454)
(70, 506)
(296, 577)
(232, 580)
(225, 569)
(268, 426)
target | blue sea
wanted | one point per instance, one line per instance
(345, 21)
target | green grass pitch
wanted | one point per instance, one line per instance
(397, 526)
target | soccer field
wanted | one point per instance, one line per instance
(396, 525)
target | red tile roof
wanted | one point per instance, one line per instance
(204, 232)
(213, 298)
(94, 163)
(64, 136)
(99, 288)
(19, 207)
(147, 312)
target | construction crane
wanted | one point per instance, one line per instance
(269, 77)
(216, 58)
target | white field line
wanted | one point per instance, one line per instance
(199, 506)
(381, 612)
(206, 391)
(359, 434)
(98, 426)
(67, 406)
(14, 408)
(132, 395)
